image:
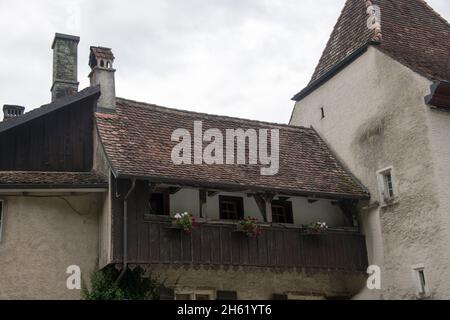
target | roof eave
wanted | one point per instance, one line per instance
(54, 187)
(241, 187)
(88, 93)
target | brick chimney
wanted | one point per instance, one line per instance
(12, 111)
(102, 73)
(65, 59)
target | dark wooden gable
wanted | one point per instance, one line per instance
(61, 140)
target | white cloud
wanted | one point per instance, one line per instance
(242, 58)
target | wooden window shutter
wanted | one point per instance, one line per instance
(226, 295)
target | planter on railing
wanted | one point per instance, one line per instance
(184, 221)
(249, 226)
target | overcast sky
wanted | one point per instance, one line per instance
(243, 58)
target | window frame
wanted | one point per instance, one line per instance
(383, 186)
(287, 206)
(322, 112)
(240, 207)
(192, 293)
(165, 203)
(421, 281)
(2, 218)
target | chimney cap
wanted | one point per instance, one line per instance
(102, 53)
(11, 111)
(65, 37)
(13, 107)
(101, 57)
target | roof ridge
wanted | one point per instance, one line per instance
(207, 115)
(55, 172)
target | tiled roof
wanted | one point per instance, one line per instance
(137, 140)
(35, 179)
(412, 33)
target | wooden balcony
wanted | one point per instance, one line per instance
(219, 244)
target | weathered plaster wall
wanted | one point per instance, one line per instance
(439, 135)
(261, 284)
(42, 236)
(104, 227)
(187, 200)
(375, 117)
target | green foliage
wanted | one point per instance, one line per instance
(134, 285)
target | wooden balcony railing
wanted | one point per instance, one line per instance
(216, 244)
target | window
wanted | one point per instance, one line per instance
(194, 295)
(322, 112)
(386, 186)
(420, 280)
(183, 296)
(2, 219)
(159, 203)
(282, 211)
(231, 208)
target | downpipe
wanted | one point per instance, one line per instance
(125, 231)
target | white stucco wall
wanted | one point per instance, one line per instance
(187, 200)
(439, 135)
(375, 117)
(101, 165)
(42, 236)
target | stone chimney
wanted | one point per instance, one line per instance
(65, 60)
(12, 111)
(102, 73)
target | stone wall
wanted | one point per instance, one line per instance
(261, 284)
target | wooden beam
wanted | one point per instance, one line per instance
(261, 205)
(174, 190)
(203, 204)
(264, 203)
(268, 210)
(335, 202)
(268, 197)
(212, 193)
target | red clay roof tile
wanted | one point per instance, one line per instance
(137, 140)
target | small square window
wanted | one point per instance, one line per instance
(159, 203)
(282, 211)
(387, 186)
(202, 296)
(190, 294)
(231, 208)
(183, 296)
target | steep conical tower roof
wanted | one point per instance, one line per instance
(411, 33)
